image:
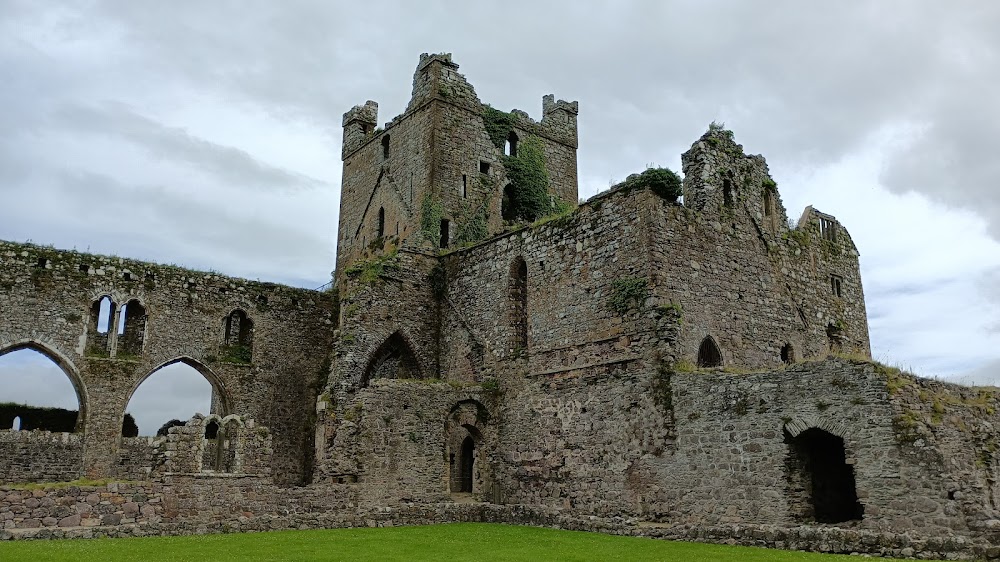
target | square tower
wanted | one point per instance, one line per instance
(436, 176)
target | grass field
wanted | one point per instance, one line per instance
(455, 542)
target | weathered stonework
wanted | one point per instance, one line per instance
(696, 370)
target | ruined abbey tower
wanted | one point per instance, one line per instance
(672, 358)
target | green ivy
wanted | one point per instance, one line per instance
(431, 213)
(474, 230)
(664, 182)
(626, 292)
(369, 271)
(527, 196)
(498, 124)
(236, 354)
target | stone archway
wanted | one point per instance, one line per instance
(464, 448)
(67, 367)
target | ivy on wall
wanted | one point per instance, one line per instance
(527, 196)
(664, 182)
(431, 213)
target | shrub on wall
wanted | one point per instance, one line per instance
(662, 181)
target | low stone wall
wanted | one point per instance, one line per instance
(817, 538)
(81, 506)
(40, 456)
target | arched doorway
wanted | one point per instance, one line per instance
(466, 465)
(820, 481)
(709, 354)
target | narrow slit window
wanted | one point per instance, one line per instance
(385, 147)
(465, 186)
(727, 193)
(381, 222)
(836, 283)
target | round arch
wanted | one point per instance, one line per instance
(67, 367)
(213, 379)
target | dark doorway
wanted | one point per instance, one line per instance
(468, 458)
(709, 354)
(821, 483)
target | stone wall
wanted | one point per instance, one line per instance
(40, 456)
(47, 298)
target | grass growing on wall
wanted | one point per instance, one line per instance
(455, 542)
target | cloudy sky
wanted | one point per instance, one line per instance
(208, 133)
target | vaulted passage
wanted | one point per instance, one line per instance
(820, 482)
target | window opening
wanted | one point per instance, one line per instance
(465, 186)
(828, 229)
(835, 285)
(709, 354)
(212, 430)
(16, 424)
(787, 353)
(385, 147)
(381, 222)
(238, 343)
(131, 329)
(484, 167)
(394, 359)
(445, 224)
(510, 147)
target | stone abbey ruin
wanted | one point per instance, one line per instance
(490, 351)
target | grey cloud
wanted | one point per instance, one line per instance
(230, 165)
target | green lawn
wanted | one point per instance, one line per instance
(455, 542)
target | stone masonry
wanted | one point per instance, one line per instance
(694, 368)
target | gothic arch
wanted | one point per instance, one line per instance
(709, 354)
(65, 365)
(393, 359)
(218, 387)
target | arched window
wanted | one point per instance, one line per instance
(211, 451)
(175, 391)
(100, 326)
(16, 424)
(385, 147)
(709, 354)
(394, 359)
(510, 147)
(819, 475)
(381, 222)
(787, 353)
(238, 347)
(212, 430)
(518, 304)
(131, 329)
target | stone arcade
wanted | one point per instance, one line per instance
(636, 365)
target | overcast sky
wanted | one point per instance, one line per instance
(208, 133)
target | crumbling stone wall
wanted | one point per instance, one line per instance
(46, 299)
